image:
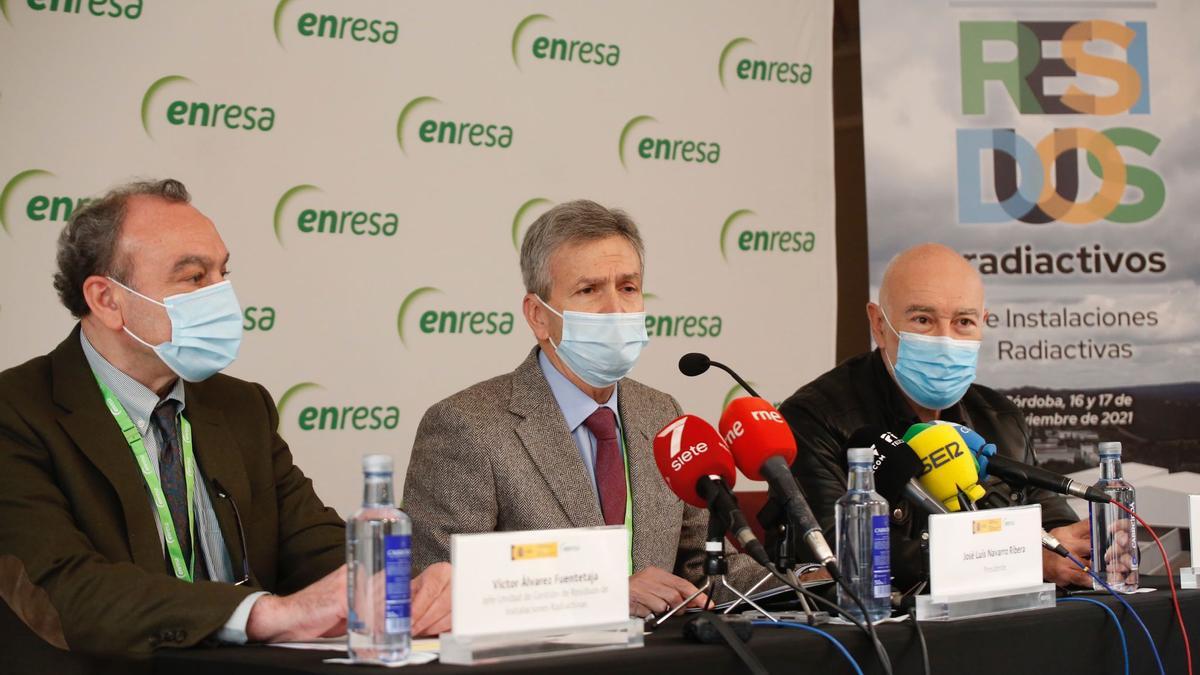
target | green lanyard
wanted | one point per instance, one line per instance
(628, 501)
(183, 569)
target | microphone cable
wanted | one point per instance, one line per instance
(1120, 628)
(912, 617)
(1137, 617)
(1187, 645)
(812, 629)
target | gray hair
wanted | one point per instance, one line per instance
(577, 221)
(88, 243)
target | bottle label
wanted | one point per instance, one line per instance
(397, 569)
(881, 564)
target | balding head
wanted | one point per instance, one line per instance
(929, 289)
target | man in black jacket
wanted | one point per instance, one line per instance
(928, 325)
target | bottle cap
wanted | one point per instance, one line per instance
(377, 463)
(860, 455)
(1110, 449)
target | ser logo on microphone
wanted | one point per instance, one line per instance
(942, 456)
(678, 459)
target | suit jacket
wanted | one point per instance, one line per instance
(498, 456)
(81, 562)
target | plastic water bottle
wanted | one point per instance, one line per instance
(863, 544)
(1114, 532)
(378, 564)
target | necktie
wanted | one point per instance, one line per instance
(170, 474)
(610, 467)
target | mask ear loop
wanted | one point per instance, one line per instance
(892, 366)
(553, 311)
(123, 326)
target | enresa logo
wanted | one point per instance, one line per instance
(187, 111)
(740, 233)
(40, 204)
(337, 27)
(325, 221)
(1039, 181)
(258, 318)
(432, 129)
(651, 146)
(443, 321)
(337, 417)
(662, 325)
(103, 9)
(680, 456)
(554, 48)
(737, 63)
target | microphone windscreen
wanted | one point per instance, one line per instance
(895, 461)
(687, 449)
(915, 429)
(756, 431)
(694, 364)
(947, 464)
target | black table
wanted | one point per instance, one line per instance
(1071, 638)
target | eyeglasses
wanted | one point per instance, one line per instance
(237, 516)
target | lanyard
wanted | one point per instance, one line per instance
(628, 500)
(183, 569)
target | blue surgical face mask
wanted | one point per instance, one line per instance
(934, 371)
(206, 330)
(600, 348)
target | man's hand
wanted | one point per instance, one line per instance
(431, 600)
(1076, 538)
(316, 611)
(656, 591)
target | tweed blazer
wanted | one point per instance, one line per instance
(81, 563)
(498, 456)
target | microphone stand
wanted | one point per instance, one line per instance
(784, 558)
(716, 569)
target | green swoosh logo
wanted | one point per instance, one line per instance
(4, 11)
(11, 187)
(279, 20)
(725, 228)
(404, 115)
(287, 395)
(408, 300)
(519, 29)
(282, 203)
(625, 132)
(733, 393)
(521, 214)
(148, 98)
(725, 53)
(649, 296)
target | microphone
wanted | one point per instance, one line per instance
(896, 468)
(695, 363)
(698, 467)
(1021, 474)
(763, 448)
(948, 467)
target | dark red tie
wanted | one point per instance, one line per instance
(610, 467)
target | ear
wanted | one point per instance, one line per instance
(100, 294)
(875, 322)
(535, 316)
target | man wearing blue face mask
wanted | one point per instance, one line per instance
(146, 500)
(928, 326)
(565, 440)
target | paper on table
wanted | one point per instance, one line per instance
(414, 659)
(338, 644)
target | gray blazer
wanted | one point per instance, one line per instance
(498, 456)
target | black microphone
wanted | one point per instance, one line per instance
(723, 504)
(896, 468)
(1021, 474)
(695, 363)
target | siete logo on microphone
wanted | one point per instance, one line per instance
(538, 36)
(650, 143)
(101, 9)
(740, 234)
(443, 321)
(29, 197)
(740, 62)
(180, 109)
(300, 208)
(336, 417)
(320, 26)
(423, 122)
(679, 455)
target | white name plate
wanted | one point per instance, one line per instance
(512, 582)
(1194, 524)
(977, 553)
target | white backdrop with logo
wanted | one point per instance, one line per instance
(370, 165)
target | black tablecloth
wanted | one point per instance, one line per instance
(1071, 638)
